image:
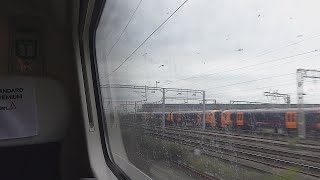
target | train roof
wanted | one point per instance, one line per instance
(316, 109)
(157, 112)
(274, 110)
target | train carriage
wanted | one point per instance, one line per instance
(267, 120)
(177, 118)
(190, 118)
(156, 119)
(312, 116)
(291, 121)
(279, 120)
(275, 120)
(169, 118)
(213, 119)
(228, 119)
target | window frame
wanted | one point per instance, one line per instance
(97, 9)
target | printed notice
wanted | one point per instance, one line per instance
(17, 109)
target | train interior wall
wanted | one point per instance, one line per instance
(66, 159)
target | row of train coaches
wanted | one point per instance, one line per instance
(279, 120)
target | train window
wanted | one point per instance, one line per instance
(289, 117)
(163, 66)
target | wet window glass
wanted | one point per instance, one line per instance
(206, 89)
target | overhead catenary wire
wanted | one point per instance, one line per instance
(236, 76)
(312, 98)
(259, 55)
(244, 82)
(246, 89)
(251, 89)
(148, 38)
(270, 61)
(125, 28)
(249, 66)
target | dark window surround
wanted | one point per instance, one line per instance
(97, 11)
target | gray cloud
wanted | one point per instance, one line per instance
(212, 38)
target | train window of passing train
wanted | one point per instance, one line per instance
(163, 66)
(289, 117)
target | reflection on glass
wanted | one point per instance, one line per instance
(212, 89)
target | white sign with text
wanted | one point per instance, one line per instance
(18, 115)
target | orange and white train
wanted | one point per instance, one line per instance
(277, 120)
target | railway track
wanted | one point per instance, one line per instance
(226, 157)
(273, 138)
(184, 167)
(195, 171)
(307, 151)
(277, 154)
(252, 156)
(260, 140)
(263, 135)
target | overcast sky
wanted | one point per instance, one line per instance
(234, 50)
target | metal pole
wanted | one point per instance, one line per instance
(204, 111)
(301, 117)
(135, 111)
(288, 101)
(163, 107)
(145, 92)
